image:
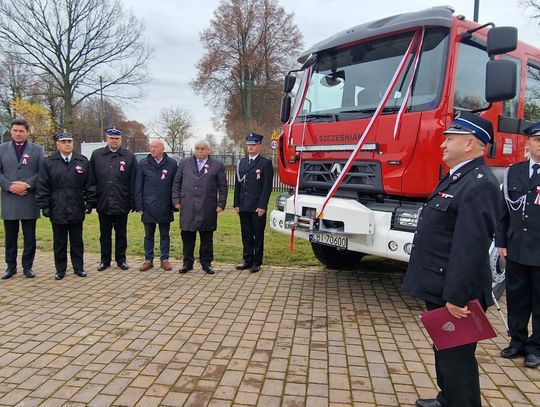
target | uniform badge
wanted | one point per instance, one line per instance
(25, 159)
(443, 195)
(122, 165)
(479, 175)
(79, 169)
(163, 174)
(258, 172)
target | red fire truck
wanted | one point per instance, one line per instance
(372, 103)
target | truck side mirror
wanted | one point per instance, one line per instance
(501, 40)
(501, 80)
(288, 83)
(285, 112)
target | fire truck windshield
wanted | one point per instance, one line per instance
(349, 82)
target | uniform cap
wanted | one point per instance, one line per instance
(470, 123)
(253, 138)
(113, 132)
(533, 130)
(63, 136)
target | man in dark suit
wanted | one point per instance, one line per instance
(449, 264)
(64, 194)
(518, 240)
(113, 170)
(200, 193)
(252, 189)
(20, 160)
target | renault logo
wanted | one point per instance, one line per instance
(335, 170)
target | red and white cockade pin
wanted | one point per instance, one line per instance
(537, 200)
(206, 166)
(163, 174)
(258, 172)
(79, 169)
(122, 165)
(25, 159)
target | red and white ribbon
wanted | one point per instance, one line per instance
(206, 168)
(163, 174)
(537, 200)
(79, 169)
(122, 165)
(352, 157)
(25, 159)
(258, 172)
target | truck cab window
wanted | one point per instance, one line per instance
(532, 94)
(469, 93)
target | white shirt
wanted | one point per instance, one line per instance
(68, 157)
(253, 157)
(531, 163)
(457, 167)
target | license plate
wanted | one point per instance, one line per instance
(327, 239)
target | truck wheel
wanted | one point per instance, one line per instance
(334, 258)
(498, 271)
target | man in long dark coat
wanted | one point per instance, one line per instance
(65, 194)
(200, 193)
(113, 170)
(153, 195)
(19, 165)
(449, 263)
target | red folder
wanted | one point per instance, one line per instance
(447, 331)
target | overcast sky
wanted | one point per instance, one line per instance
(173, 27)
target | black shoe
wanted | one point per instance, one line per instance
(243, 266)
(185, 268)
(103, 266)
(123, 265)
(9, 273)
(59, 276)
(29, 273)
(80, 273)
(428, 403)
(255, 268)
(208, 269)
(511, 353)
(532, 360)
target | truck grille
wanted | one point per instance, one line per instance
(364, 176)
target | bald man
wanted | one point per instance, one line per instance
(153, 200)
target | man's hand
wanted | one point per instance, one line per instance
(218, 209)
(502, 252)
(19, 188)
(88, 209)
(237, 209)
(260, 212)
(456, 311)
(177, 206)
(141, 212)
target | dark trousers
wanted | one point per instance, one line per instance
(164, 240)
(457, 374)
(61, 232)
(11, 232)
(106, 224)
(252, 227)
(206, 249)
(523, 302)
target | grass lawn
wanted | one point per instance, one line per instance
(227, 241)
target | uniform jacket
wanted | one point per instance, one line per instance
(26, 169)
(199, 193)
(253, 184)
(153, 189)
(519, 231)
(114, 176)
(450, 257)
(66, 190)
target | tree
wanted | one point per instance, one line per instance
(174, 127)
(83, 46)
(15, 82)
(534, 6)
(39, 119)
(250, 45)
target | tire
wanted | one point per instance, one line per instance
(498, 271)
(334, 258)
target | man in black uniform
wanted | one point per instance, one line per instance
(518, 240)
(449, 264)
(64, 194)
(252, 189)
(113, 170)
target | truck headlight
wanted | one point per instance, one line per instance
(405, 219)
(280, 201)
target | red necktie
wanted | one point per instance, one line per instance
(19, 147)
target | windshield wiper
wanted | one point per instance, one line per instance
(314, 116)
(387, 109)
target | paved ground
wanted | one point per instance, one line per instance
(281, 337)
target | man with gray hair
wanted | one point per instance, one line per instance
(200, 193)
